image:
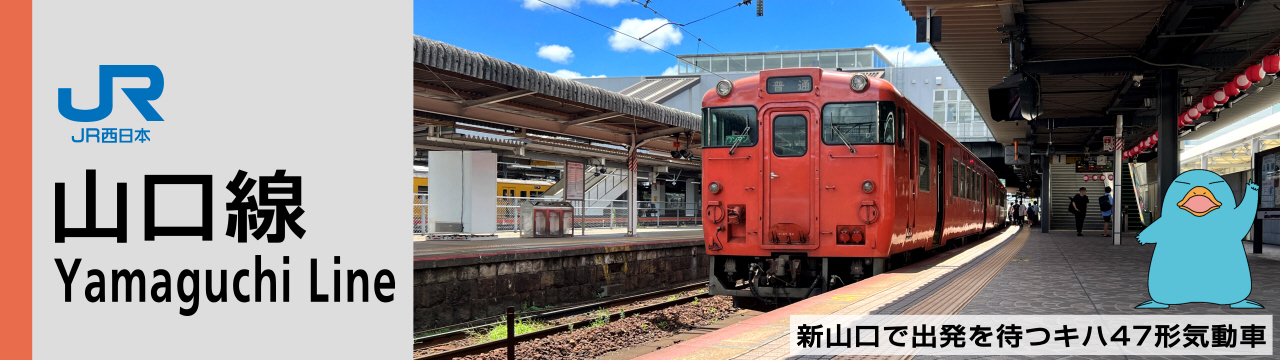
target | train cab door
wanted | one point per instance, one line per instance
(913, 188)
(790, 178)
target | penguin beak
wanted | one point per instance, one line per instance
(1199, 201)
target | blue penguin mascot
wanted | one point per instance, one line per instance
(1198, 256)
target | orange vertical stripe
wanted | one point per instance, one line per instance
(15, 185)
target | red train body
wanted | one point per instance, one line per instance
(809, 184)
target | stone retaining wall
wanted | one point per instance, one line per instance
(458, 290)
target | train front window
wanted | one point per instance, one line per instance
(858, 123)
(729, 126)
(790, 135)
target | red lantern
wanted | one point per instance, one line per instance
(1193, 113)
(1231, 89)
(1202, 109)
(1254, 73)
(1242, 82)
(1209, 102)
(1271, 64)
(1220, 97)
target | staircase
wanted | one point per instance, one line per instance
(601, 187)
(1066, 183)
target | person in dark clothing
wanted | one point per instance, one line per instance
(1105, 204)
(1079, 204)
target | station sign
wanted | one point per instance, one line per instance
(1093, 166)
(573, 189)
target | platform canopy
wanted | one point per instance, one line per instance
(456, 85)
(1086, 54)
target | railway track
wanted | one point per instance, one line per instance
(444, 338)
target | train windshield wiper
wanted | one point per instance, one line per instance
(747, 131)
(841, 135)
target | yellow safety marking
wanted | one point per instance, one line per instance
(955, 295)
(879, 291)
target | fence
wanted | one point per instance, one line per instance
(613, 214)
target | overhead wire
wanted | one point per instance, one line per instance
(682, 26)
(632, 37)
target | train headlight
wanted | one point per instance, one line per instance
(868, 186)
(858, 82)
(724, 87)
(714, 188)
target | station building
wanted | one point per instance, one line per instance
(929, 87)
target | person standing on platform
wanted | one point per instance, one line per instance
(1079, 204)
(1013, 213)
(1022, 214)
(1105, 204)
(1033, 212)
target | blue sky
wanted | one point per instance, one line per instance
(529, 33)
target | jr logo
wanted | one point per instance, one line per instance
(140, 97)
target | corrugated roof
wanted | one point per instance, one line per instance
(451, 58)
(657, 90)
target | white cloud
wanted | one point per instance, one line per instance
(665, 36)
(673, 70)
(567, 4)
(572, 74)
(907, 57)
(556, 53)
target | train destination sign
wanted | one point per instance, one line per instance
(737, 139)
(790, 84)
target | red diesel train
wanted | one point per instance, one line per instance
(813, 179)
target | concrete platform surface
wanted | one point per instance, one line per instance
(1030, 273)
(509, 246)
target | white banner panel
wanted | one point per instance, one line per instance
(1031, 335)
(221, 180)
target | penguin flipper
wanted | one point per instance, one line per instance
(1246, 304)
(1152, 304)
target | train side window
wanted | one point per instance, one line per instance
(727, 126)
(902, 125)
(890, 121)
(955, 177)
(790, 135)
(924, 165)
(524, 194)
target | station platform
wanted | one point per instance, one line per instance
(511, 247)
(1018, 271)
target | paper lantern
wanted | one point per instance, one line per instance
(1254, 73)
(1231, 89)
(1220, 97)
(1209, 102)
(1202, 109)
(1271, 64)
(1193, 113)
(1242, 82)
